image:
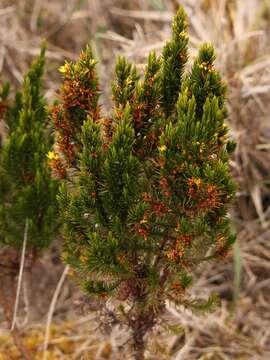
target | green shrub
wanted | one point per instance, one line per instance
(146, 191)
(27, 191)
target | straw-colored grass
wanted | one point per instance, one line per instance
(240, 328)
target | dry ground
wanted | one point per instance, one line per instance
(239, 29)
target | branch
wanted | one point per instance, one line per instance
(51, 311)
(20, 276)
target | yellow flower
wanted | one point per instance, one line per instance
(198, 182)
(143, 221)
(63, 68)
(83, 259)
(128, 81)
(183, 34)
(52, 155)
(162, 148)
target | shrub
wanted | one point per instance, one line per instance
(146, 191)
(28, 209)
(27, 190)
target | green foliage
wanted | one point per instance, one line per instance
(175, 55)
(12, 115)
(27, 190)
(146, 196)
(3, 104)
(123, 88)
(4, 94)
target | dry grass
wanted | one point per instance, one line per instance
(239, 329)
